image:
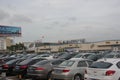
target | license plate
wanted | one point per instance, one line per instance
(58, 71)
(17, 67)
(30, 70)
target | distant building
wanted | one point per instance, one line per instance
(107, 45)
(5, 42)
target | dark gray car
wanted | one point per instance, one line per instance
(43, 69)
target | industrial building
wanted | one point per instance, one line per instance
(107, 45)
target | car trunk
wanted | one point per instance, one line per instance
(35, 69)
(61, 69)
(100, 73)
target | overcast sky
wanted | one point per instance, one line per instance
(94, 20)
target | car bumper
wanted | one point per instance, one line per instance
(6, 70)
(87, 77)
(17, 72)
(42, 76)
(62, 77)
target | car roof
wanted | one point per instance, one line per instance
(79, 59)
(85, 53)
(110, 60)
(114, 53)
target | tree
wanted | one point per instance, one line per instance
(16, 47)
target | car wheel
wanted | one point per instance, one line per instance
(49, 76)
(119, 79)
(77, 77)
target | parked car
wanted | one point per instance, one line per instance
(95, 57)
(3, 61)
(28, 56)
(112, 55)
(45, 56)
(8, 59)
(104, 69)
(9, 66)
(71, 69)
(21, 68)
(56, 55)
(43, 69)
(67, 56)
(82, 55)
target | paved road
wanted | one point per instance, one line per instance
(11, 78)
(4, 77)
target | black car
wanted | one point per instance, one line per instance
(21, 68)
(9, 66)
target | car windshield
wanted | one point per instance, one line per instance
(101, 65)
(67, 63)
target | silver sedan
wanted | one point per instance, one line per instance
(71, 69)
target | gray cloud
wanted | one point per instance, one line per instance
(70, 19)
(20, 19)
(3, 15)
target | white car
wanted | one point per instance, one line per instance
(104, 69)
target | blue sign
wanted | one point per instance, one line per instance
(10, 31)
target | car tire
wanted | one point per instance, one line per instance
(119, 79)
(77, 77)
(49, 76)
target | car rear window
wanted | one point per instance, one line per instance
(25, 61)
(78, 56)
(42, 62)
(8, 59)
(109, 56)
(57, 62)
(67, 63)
(102, 65)
(11, 61)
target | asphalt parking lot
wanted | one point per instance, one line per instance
(12, 78)
(4, 77)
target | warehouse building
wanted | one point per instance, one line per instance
(107, 45)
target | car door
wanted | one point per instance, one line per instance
(82, 66)
(88, 62)
(118, 71)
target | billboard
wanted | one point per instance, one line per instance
(8, 31)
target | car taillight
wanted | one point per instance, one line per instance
(110, 72)
(23, 67)
(85, 71)
(39, 68)
(5, 66)
(66, 70)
